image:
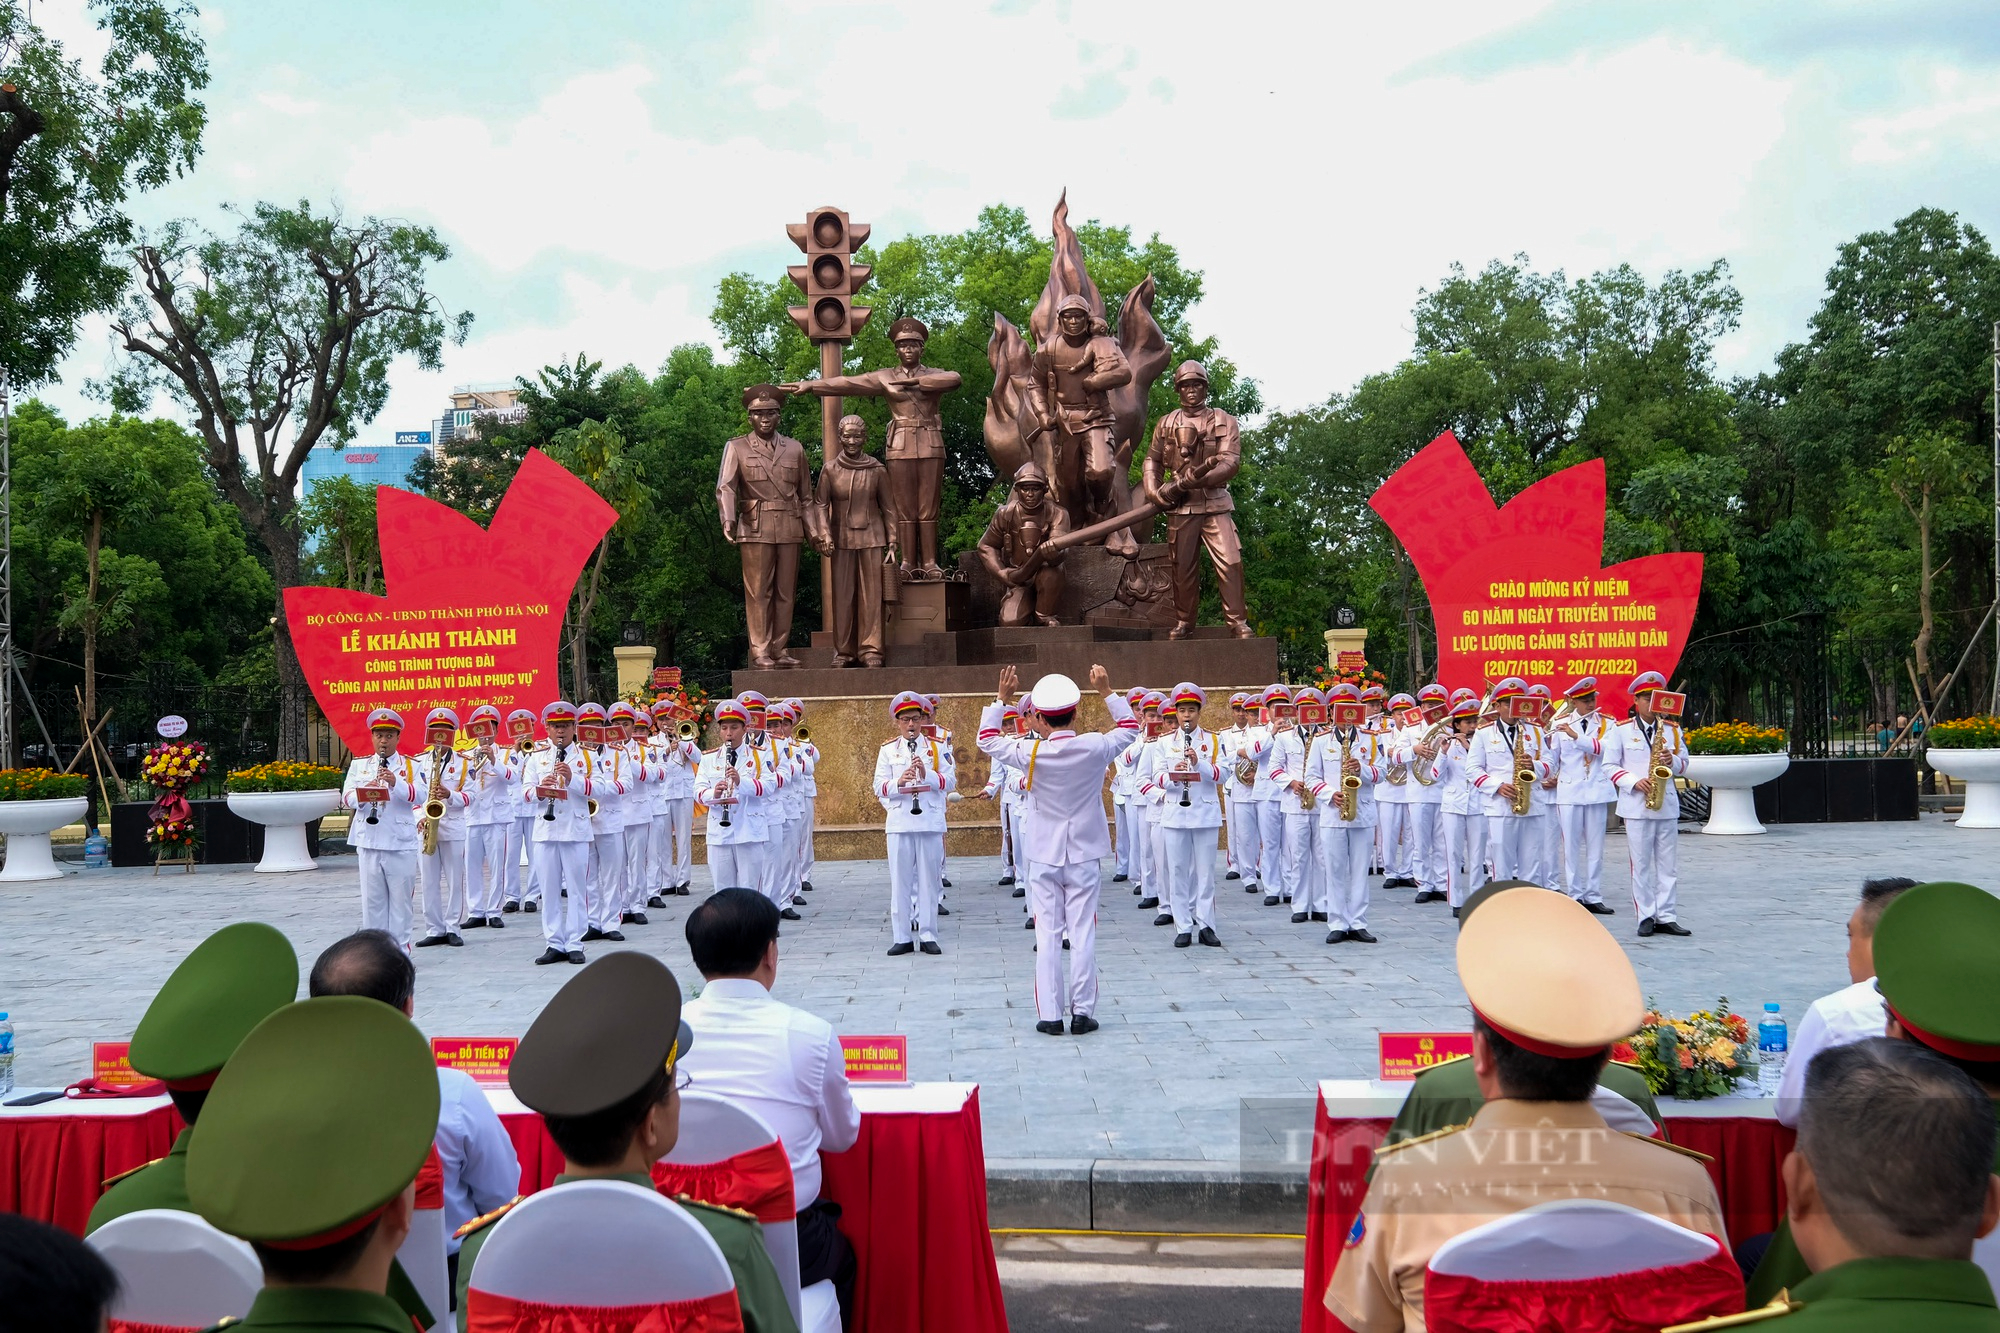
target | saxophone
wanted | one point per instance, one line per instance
(1524, 772)
(433, 816)
(1350, 788)
(1658, 769)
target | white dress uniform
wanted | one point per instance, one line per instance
(1000, 789)
(1125, 826)
(736, 850)
(1510, 838)
(490, 849)
(675, 832)
(559, 847)
(1462, 832)
(1232, 841)
(641, 806)
(387, 848)
(1066, 837)
(1270, 816)
(1187, 833)
(1583, 790)
(1126, 777)
(779, 816)
(1651, 836)
(1392, 801)
(442, 874)
(1346, 846)
(808, 780)
(1243, 807)
(1290, 749)
(521, 886)
(1152, 847)
(610, 779)
(1425, 804)
(804, 761)
(914, 824)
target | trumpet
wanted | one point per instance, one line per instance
(802, 734)
(433, 815)
(686, 731)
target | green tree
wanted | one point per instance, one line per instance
(597, 453)
(73, 147)
(273, 339)
(340, 512)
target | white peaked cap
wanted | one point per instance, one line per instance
(1055, 692)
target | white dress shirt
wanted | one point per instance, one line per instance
(1850, 1014)
(783, 1063)
(481, 1171)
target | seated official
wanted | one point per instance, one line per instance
(780, 1062)
(600, 1065)
(1890, 1185)
(51, 1282)
(309, 1148)
(1849, 1014)
(1551, 990)
(481, 1170)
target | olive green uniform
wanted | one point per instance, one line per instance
(739, 1235)
(1448, 1094)
(320, 1310)
(1880, 1295)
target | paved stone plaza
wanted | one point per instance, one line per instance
(1187, 1033)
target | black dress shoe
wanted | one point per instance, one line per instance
(637, 919)
(551, 956)
(656, 901)
(683, 890)
(1050, 1026)
(626, 919)
(1270, 900)
(1081, 1024)
(455, 940)
(1207, 937)
(1164, 919)
(511, 907)
(1647, 927)
(1031, 923)
(1005, 880)
(1336, 936)
(576, 956)
(1234, 874)
(1253, 887)
(1182, 940)
(1600, 909)
(475, 923)
(432, 941)
(945, 882)
(1362, 937)
(1454, 914)
(496, 923)
(931, 947)
(1119, 879)
(1316, 916)
(592, 933)
(615, 936)
(1138, 890)
(1065, 946)
(806, 884)
(1298, 917)
(1145, 903)
(531, 906)
(901, 947)
(1671, 928)
(790, 914)
(943, 910)
(1020, 891)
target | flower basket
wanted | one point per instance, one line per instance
(35, 802)
(1966, 733)
(1693, 1058)
(284, 775)
(173, 767)
(40, 784)
(1968, 750)
(1736, 738)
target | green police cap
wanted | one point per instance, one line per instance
(322, 1117)
(1935, 952)
(232, 981)
(605, 1033)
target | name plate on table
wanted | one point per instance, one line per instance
(877, 1059)
(1404, 1055)
(111, 1065)
(484, 1058)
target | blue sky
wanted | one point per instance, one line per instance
(596, 167)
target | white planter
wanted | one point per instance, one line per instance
(1979, 770)
(284, 815)
(27, 825)
(1732, 810)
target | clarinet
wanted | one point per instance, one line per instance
(382, 776)
(549, 810)
(916, 808)
(1187, 732)
(729, 762)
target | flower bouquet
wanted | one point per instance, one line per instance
(1692, 1058)
(1736, 738)
(173, 767)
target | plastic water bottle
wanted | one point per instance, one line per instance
(1773, 1039)
(96, 851)
(6, 1055)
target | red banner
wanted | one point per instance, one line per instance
(472, 615)
(111, 1065)
(876, 1059)
(1523, 590)
(485, 1058)
(1407, 1054)
(665, 679)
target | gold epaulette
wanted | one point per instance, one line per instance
(1629, 1064)
(1671, 1147)
(1448, 1060)
(486, 1219)
(1781, 1304)
(122, 1175)
(714, 1207)
(227, 1321)
(1401, 1144)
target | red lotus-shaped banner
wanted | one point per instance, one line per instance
(472, 615)
(1523, 590)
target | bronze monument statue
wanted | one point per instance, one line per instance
(1195, 451)
(1070, 394)
(1020, 548)
(851, 529)
(762, 493)
(915, 448)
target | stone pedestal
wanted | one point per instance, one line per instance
(925, 608)
(1101, 589)
(1340, 641)
(635, 668)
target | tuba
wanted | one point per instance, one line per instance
(1657, 767)
(1524, 773)
(433, 816)
(1246, 770)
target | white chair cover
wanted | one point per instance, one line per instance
(1621, 1112)
(1569, 1240)
(1986, 1253)
(600, 1243)
(422, 1256)
(175, 1269)
(713, 1130)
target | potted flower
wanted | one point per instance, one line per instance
(284, 796)
(173, 768)
(1692, 1058)
(1730, 759)
(1968, 749)
(35, 802)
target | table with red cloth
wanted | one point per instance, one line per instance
(1741, 1133)
(912, 1190)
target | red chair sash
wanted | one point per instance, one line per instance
(488, 1313)
(430, 1181)
(1641, 1302)
(758, 1181)
(134, 1326)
